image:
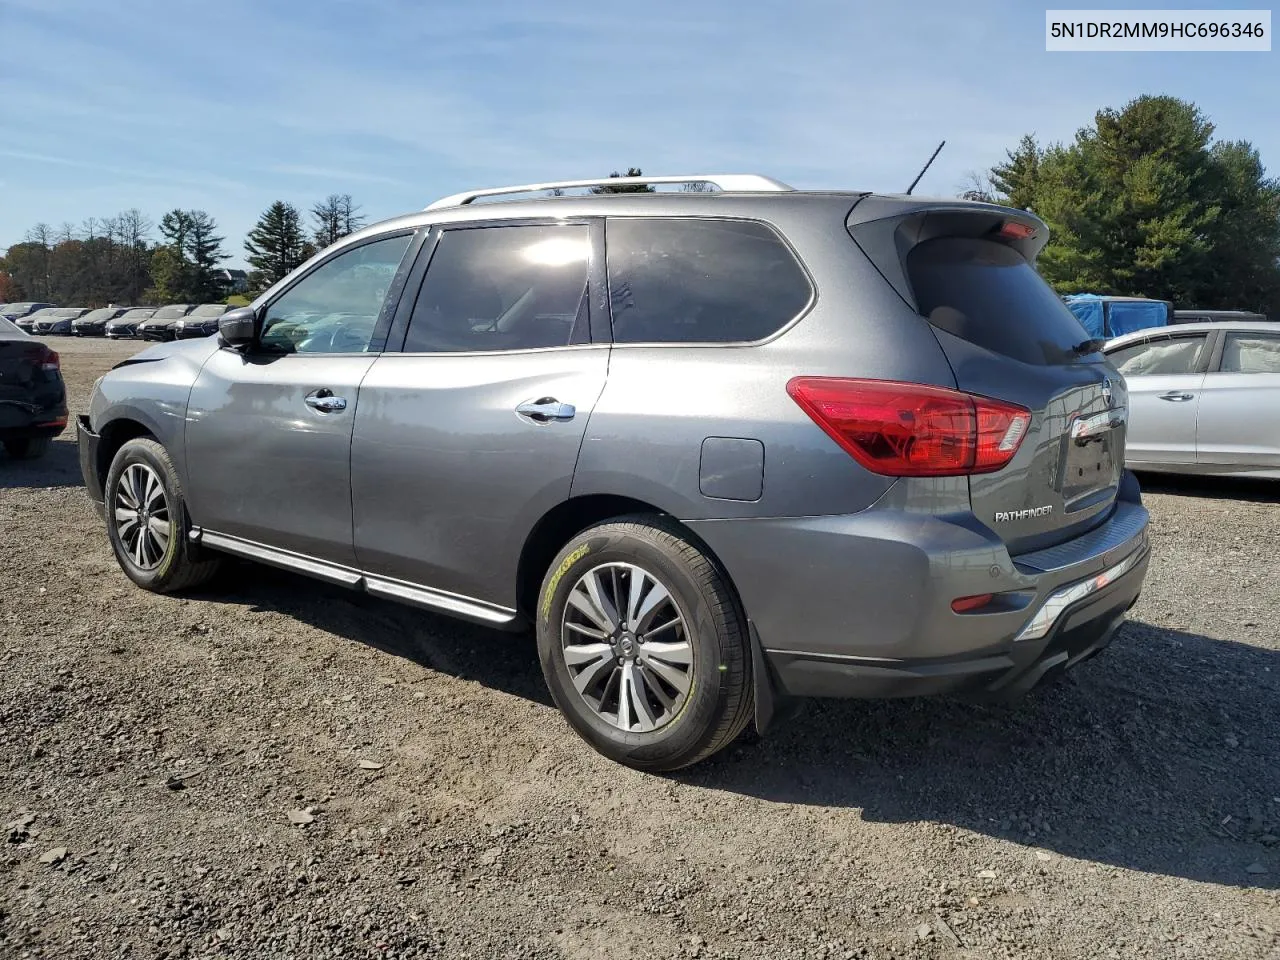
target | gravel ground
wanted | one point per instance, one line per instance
(277, 768)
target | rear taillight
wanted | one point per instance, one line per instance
(51, 362)
(913, 430)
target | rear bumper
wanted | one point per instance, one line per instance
(1080, 630)
(860, 605)
(20, 420)
(87, 442)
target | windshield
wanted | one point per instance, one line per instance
(209, 310)
(175, 312)
(140, 314)
(45, 314)
(102, 313)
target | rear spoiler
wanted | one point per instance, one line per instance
(885, 228)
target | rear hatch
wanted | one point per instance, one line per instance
(968, 269)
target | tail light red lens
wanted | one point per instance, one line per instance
(51, 363)
(913, 430)
(1013, 230)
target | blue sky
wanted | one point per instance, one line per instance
(230, 105)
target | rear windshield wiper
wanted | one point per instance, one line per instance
(1086, 347)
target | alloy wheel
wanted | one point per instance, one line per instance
(142, 516)
(627, 646)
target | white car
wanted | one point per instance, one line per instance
(1203, 398)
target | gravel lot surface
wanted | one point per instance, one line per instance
(276, 768)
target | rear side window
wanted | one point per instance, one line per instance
(1163, 357)
(701, 281)
(1251, 353)
(988, 294)
(503, 288)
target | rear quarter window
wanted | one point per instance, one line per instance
(689, 280)
(988, 294)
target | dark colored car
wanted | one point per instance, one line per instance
(94, 323)
(31, 322)
(1217, 316)
(200, 322)
(59, 323)
(33, 398)
(125, 326)
(14, 311)
(160, 324)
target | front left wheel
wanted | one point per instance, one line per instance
(147, 521)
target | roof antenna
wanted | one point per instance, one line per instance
(926, 167)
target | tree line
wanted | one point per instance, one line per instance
(120, 260)
(1144, 202)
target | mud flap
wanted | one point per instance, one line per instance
(770, 704)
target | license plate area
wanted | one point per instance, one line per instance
(1089, 460)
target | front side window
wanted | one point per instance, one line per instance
(335, 308)
(693, 280)
(1251, 353)
(1159, 357)
(503, 288)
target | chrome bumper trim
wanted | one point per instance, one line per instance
(1072, 593)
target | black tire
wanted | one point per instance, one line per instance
(27, 448)
(182, 564)
(718, 704)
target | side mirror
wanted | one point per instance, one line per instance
(238, 327)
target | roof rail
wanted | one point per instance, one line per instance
(746, 182)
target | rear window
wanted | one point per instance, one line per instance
(701, 281)
(988, 294)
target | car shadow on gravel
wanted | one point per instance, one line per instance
(1214, 488)
(1159, 755)
(59, 467)
(502, 661)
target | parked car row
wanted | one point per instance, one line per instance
(170, 322)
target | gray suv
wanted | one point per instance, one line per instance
(718, 447)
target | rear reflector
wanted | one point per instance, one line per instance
(910, 429)
(60, 422)
(969, 604)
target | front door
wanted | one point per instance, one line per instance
(1164, 375)
(269, 428)
(465, 439)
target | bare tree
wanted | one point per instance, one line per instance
(335, 217)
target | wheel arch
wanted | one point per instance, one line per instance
(114, 435)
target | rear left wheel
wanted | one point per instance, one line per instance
(643, 645)
(28, 448)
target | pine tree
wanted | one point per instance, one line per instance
(275, 245)
(204, 252)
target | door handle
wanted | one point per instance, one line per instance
(546, 410)
(324, 401)
(1177, 397)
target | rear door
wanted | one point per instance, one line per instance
(1164, 374)
(466, 437)
(1237, 423)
